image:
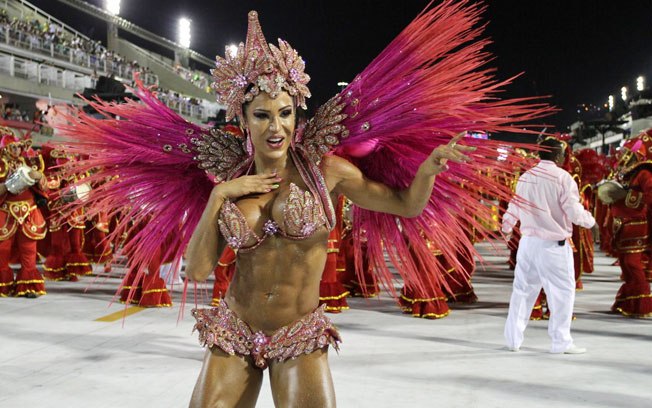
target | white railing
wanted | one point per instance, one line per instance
(47, 74)
(199, 79)
(192, 107)
(35, 11)
(101, 64)
(44, 73)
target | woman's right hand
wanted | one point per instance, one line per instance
(244, 185)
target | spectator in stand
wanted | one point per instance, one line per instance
(29, 33)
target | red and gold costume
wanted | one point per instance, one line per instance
(357, 286)
(65, 258)
(582, 238)
(603, 214)
(331, 291)
(594, 169)
(458, 279)
(223, 274)
(96, 247)
(147, 289)
(631, 228)
(429, 302)
(21, 222)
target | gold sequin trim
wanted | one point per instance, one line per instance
(343, 295)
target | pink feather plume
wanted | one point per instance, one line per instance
(428, 85)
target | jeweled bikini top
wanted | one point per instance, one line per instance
(302, 216)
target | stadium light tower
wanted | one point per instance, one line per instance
(640, 83)
(184, 32)
(112, 6)
(611, 102)
(623, 93)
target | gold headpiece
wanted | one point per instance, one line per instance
(263, 66)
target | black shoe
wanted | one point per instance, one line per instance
(31, 295)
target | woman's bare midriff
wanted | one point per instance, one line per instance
(278, 283)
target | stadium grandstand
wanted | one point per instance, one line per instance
(44, 62)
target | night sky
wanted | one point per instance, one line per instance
(576, 51)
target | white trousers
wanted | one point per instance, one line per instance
(171, 276)
(541, 263)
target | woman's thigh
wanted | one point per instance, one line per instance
(226, 381)
(304, 382)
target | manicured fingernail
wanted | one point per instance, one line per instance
(275, 186)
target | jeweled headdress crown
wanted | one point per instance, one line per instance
(261, 65)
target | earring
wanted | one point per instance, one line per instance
(249, 147)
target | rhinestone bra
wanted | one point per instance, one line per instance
(302, 216)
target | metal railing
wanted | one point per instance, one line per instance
(6, 4)
(199, 79)
(47, 74)
(101, 64)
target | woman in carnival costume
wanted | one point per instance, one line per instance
(384, 142)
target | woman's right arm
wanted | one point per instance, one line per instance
(202, 253)
(203, 250)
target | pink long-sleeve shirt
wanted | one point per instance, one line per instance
(547, 203)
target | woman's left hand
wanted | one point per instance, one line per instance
(436, 162)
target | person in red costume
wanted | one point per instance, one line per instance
(147, 288)
(223, 274)
(331, 291)
(630, 198)
(460, 289)
(65, 259)
(592, 173)
(97, 247)
(21, 222)
(357, 283)
(56, 244)
(430, 302)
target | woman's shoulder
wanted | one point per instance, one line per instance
(337, 167)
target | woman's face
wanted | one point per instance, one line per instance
(271, 124)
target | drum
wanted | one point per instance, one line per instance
(19, 181)
(78, 192)
(611, 191)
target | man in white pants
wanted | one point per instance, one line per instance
(547, 203)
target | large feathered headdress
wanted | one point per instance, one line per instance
(258, 66)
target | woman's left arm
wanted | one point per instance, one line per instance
(345, 178)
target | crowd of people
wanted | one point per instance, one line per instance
(200, 80)
(184, 104)
(17, 113)
(54, 40)
(31, 33)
